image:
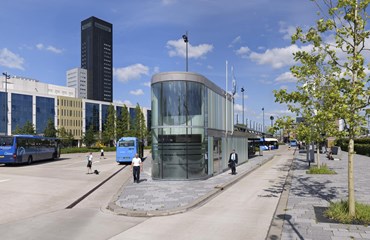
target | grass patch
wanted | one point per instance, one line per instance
(338, 211)
(322, 170)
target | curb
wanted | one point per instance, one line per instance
(279, 217)
(113, 207)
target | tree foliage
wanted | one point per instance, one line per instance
(50, 130)
(89, 137)
(139, 129)
(109, 133)
(332, 73)
(66, 137)
(123, 123)
(27, 128)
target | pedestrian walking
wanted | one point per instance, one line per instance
(102, 153)
(89, 163)
(233, 160)
(136, 166)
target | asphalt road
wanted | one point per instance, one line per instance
(35, 199)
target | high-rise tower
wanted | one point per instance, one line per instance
(97, 58)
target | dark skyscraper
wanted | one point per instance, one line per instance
(97, 58)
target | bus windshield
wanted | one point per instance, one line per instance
(6, 141)
(127, 143)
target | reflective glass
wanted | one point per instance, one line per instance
(21, 110)
(3, 111)
(92, 116)
(45, 110)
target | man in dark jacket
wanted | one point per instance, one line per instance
(233, 160)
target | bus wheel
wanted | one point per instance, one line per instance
(29, 161)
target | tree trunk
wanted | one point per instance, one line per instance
(351, 184)
(318, 155)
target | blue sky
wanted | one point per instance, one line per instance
(40, 39)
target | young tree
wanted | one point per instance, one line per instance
(313, 97)
(345, 22)
(66, 138)
(27, 128)
(123, 123)
(89, 137)
(50, 130)
(139, 128)
(110, 126)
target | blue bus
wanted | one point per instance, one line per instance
(28, 148)
(126, 149)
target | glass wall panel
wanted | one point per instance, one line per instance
(92, 116)
(21, 110)
(119, 112)
(104, 115)
(45, 110)
(174, 109)
(156, 104)
(194, 104)
(3, 112)
(179, 142)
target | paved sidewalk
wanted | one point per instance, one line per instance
(160, 198)
(308, 192)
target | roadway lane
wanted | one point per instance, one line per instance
(30, 190)
(243, 211)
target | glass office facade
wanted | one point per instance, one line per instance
(92, 116)
(45, 110)
(3, 112)
(21, 110)
(190, 118)
(104, 115)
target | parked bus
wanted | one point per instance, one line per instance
(28, 148)
(126, 149)
(269, 143)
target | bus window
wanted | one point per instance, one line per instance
(6, 141)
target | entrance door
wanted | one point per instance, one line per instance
(217, 155)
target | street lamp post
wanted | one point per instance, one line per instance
(186, 40)
(272, 120)
(263, 119)
(7, 76)
(242, 90)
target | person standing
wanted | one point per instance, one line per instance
(102, 153)
(136, 166)
(233, 160)
(89, 163)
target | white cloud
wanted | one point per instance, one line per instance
(177, 48)
(132, 72)
(146, 84)
(238, 108)
(236, 40)
(286, 77)
(126, 102)
(278, 57)
(10, 59)
(288, 31)
(49, 48)
(243, 52)
(137, 92)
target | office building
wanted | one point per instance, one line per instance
(77, 79)
(97, 58)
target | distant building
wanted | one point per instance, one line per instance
(28, 100)
(77, 79)
(97, 58)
